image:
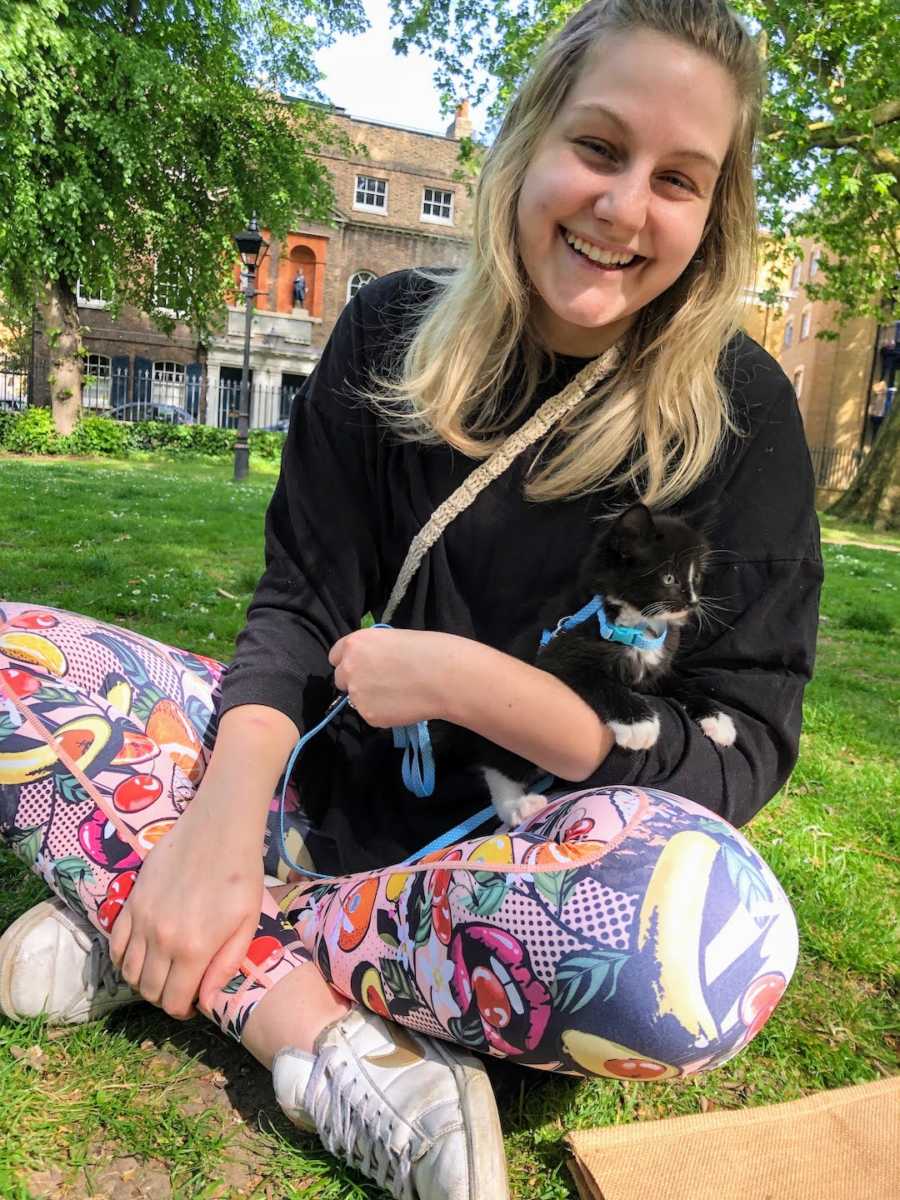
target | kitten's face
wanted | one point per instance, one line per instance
(654, 564)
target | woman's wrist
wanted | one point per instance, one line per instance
(522, 708)
(252, 746)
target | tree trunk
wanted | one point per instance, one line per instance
(874, 496)
(62, 328)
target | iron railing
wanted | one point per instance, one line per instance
(835, 467)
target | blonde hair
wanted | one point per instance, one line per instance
(658, 420)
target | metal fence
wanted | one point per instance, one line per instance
(835, 466)
(166, 392)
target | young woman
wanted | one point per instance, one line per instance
(622, 931)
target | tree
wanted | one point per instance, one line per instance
(829, 156)
(874, 496)
(829, 151)
(136, 137)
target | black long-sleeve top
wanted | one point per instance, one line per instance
(351, 496)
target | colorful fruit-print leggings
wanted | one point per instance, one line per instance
(621, 931)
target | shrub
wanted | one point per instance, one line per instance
(32, 432)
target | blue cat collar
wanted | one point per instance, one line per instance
(627, 635)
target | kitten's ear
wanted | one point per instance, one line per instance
(635, 524)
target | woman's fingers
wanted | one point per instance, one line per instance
(119, 937)
(154, 974)
(180, 991)
(133, 961)
(225, 964)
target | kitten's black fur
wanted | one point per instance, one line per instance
(646, 567)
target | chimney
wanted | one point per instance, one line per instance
(461, 125)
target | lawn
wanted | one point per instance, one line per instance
(141, 1105)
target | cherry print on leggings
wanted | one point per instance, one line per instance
(622, 932)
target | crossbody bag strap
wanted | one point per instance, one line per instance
(536, 427)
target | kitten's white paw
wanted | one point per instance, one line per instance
(512, 805)
(639, 736)
(719, 729)
(525, 809)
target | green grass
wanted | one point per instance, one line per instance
(143, 1099)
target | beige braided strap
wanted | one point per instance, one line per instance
(534, 428)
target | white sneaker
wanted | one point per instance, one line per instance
(413, 1114)
(54, 962)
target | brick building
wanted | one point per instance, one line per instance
(397, 205)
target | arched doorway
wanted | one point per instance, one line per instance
(301, 260)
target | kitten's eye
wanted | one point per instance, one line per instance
(668, 580)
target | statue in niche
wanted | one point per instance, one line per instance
(299, 290)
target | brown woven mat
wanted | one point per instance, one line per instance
(837, 1145)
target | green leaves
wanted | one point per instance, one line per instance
(27, 843)
(132, 140)
(69, 873)
(579, 978)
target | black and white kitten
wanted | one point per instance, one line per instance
(648, 570)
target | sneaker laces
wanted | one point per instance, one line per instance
(354, 1124)
(100, 971)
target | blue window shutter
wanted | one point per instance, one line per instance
(143, 383)
(193, 385)
(118, 387)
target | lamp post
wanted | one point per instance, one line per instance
(252, 247)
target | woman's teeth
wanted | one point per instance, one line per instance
(596, 255)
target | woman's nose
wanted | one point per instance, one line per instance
(623, 200)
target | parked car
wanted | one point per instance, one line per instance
(153, 411)
(280, 426)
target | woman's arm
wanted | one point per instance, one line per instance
(400, 676)
(525, 710)
(194, 907)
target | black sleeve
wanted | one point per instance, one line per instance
(321, 544)
(755, 654)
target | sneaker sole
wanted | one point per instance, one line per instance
(488, 1175)
(9, 941)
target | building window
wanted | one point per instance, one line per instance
(789, 333)
(798, 382)
(89, 297)
(164, 290)
(168, 383)
(805, 320)
(814, 263)
(96, 381)
(437, 205)
(357, 281)
(795, 276)
(370, 193)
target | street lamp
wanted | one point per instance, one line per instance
(252, 247)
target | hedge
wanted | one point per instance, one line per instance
(32, 432)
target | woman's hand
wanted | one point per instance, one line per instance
(191, 914)
(396, 676)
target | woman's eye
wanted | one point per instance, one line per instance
(684, 184)
(668, 580)
(597, 147)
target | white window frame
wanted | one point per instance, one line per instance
(369, 277)
(795, 276)
(84, 301)
(814, 263)
(788, 334)
(798, 382)
(363, 205)
(97, 394)
(159, 287)
(433, 217)
(805, 323)
(168, 382)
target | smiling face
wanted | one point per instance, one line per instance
(628, 165)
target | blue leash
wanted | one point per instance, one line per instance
(418, 777)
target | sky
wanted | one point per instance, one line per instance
(363, 75)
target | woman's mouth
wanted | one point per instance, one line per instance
(593, 257)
